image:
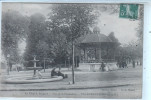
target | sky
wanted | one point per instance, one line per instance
(124, 29)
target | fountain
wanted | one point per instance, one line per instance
(35, 67)
(34, 79)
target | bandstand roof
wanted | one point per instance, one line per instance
(95, 38)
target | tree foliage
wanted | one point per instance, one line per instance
(112, 37)
(35, 39)
(74, 19)
(67, 23)
(52, 38)
(14, 28)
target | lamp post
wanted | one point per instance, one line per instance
(8, 56)
(72, 38)
(45, 63)
(68, 63)
(73, 77)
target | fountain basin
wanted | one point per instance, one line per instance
(33, 68)
(28, 81)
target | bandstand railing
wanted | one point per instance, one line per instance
(97, 61)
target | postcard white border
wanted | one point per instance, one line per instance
(146, 92)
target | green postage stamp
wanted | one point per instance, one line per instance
(129, 11)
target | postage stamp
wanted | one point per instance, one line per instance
(129, 11)
(70, 50)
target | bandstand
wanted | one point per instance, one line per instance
(96, 48)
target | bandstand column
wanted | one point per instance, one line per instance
(95, 54)
(100, 58)
(85, 55)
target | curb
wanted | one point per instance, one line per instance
(69, 88)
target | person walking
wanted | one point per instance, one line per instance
(103, 66)
(133, 63)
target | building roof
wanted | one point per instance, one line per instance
(96, 38)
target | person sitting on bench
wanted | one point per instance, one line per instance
(53, 72)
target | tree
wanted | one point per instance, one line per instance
(71, 21)
(35, 39)
(112, 37)
(42, 50)
(139, 43)
(14, 28)
(140, 25)
(75, 18)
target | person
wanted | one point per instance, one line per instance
(53, 72)
(18, 67)
(137, 63)
(123, 64)
(39, 74)
(133, 63)
(103, 66)
(120, 64)
(10, 65)
(59, 73)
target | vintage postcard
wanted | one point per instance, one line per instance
(71, 50)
